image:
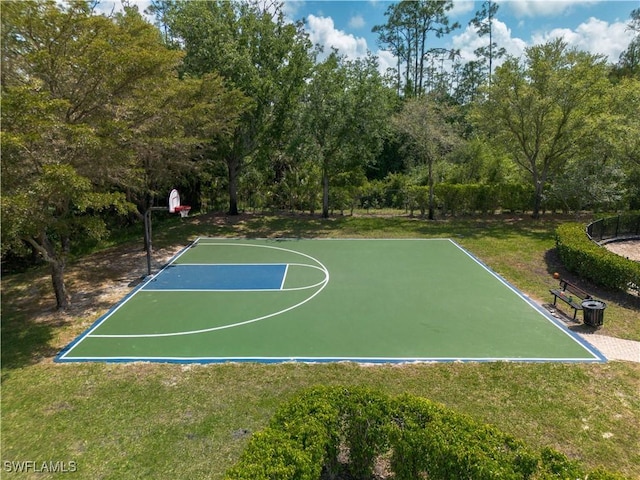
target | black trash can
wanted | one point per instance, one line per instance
(593, 312)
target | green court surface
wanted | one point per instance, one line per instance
(326, 300)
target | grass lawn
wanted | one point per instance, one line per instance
(192, 421)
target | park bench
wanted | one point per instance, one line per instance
(571, 295)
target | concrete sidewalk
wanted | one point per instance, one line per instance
(614, 348)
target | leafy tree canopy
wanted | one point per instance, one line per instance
(81, 95)
(539, 107)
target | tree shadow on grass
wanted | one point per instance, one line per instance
(33, 330)
(26, 338)
(297, 225)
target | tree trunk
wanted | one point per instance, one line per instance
(325, 194)
(148, 246)
(42, 244)
(490, 42)
(233, 164)
(423, 39)
(57, 278)
(431, 198)
(537, 199)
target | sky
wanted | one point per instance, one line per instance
(597, 26)
(592, 25)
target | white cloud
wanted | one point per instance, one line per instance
(595, 36)
(291, 8)
(357, 21)
(537, 8)
(386, 61)
(322, 31)
(469, 40)
(461, 7)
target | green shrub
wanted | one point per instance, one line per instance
(421, 437)
(372, 195)
(430, 439)
(470, 198)
(365, 415)
(418, 198)
(454, 198)
(515, 197)
(590, 261)
(556, 465)
(273, 455)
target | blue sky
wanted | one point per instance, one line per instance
(595, 26)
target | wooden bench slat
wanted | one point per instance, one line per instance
(566, 292)
(562, 295)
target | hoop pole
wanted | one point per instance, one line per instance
(147, 238)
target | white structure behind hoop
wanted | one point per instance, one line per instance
(174, 204)
(174, 200)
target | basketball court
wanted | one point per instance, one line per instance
(368, 301)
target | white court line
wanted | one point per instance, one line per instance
(302, 359)
(215, 240)
(237, 264)
(284, 276)
(119, 305)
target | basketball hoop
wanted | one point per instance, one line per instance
(183, 210)
(174, 204)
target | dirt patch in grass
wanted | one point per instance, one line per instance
(104, 278)
(33, 330)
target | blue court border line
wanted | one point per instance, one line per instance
(598, 356)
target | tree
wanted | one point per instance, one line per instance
(623, 103)
(83, 98)
(429, 129)
(629, 61)
(437, 79)
(634, 24)
(539, 107)
(257, 52)
(405, 34)
(49, 212)
(169, 128)
(617, 139)
(470, 77)
(483, 23)
(343, 118)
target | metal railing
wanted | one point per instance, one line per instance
(614, 228)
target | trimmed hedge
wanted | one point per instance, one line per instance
(590, 261)
(307, 438)
(456, 199)
(398, 191)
